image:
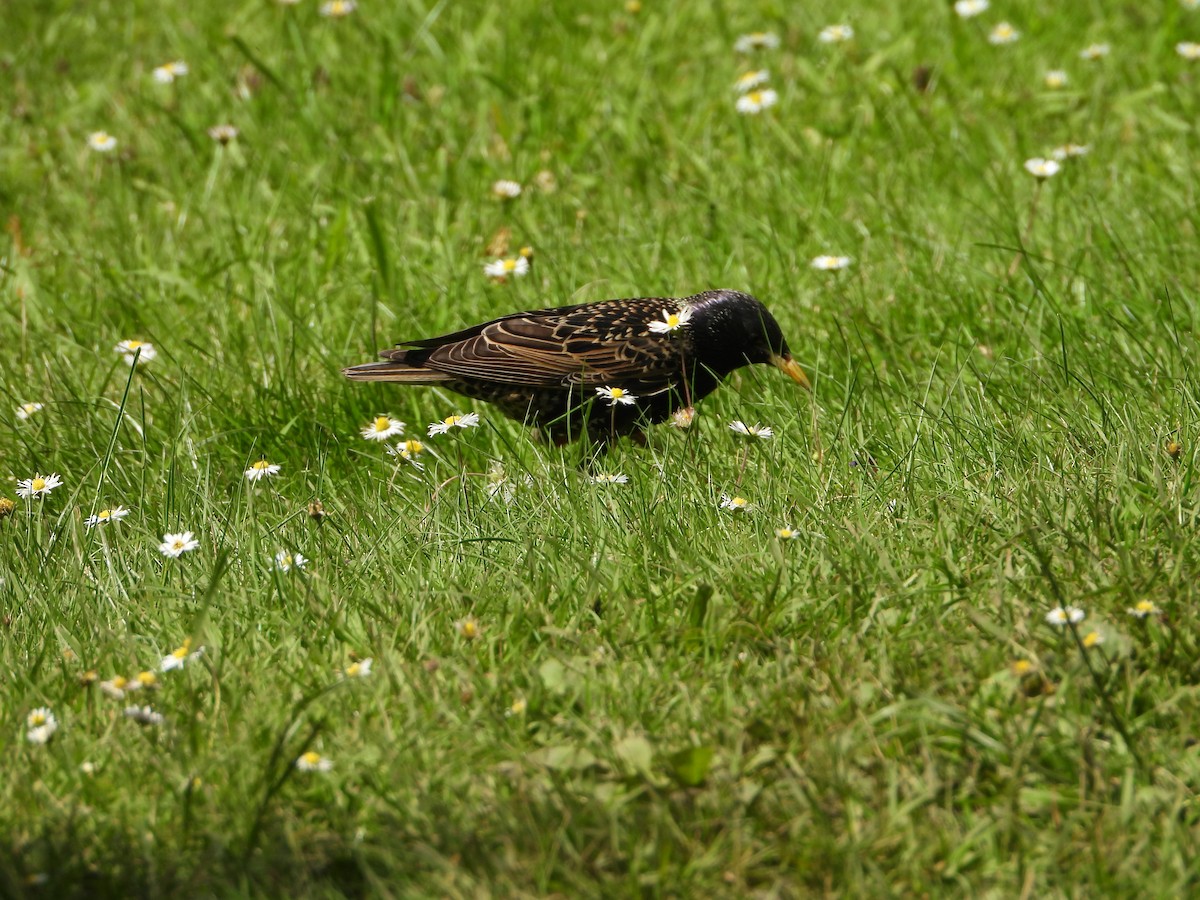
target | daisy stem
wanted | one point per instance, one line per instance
(1033, 207)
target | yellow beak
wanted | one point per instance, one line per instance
(792, 370)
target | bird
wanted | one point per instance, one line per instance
(603, 369)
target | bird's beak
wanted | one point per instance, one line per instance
(792, 370)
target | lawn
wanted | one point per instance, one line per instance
(950, 646)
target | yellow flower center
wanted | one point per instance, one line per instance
(617, 393)
(673, 320)
(413, 447)
(510, 265)
(451, 420)
(1144, 606)
(37, 718)
(470, 628)
(119, 682)
(180, 652)
(29, 407)
(133, 345)
(353, 669)
(786, 533)
(383, 423)
(104, 514)
(754, 96)
(261, 464)
(738, 501)
(178, 544)
(38, 484)
(147, 678)
(1022, 667)
(285, 562)
(1092, 639)
(312, 757)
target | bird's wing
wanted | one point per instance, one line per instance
(593, 345)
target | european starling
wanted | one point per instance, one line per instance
(605, 368)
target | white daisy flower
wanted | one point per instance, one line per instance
(105, 516)
(37, 486)
(144, 715)
(506, 189)
(1003, 34)
(830, 263)
(1094, 51)
(1066, 151)
(381, 428)
(285, 561)
(736, 504)
(181, 655)
(1189, 50)
(671, 321)
(312, 761)
(1056, 78)
(753, 103)
(116, 687)
(610, 478)
(167, 73)
(1041, 168)
(102, 142)
(25, 410)
(410, 451)
(1144, 608)
(42, 716)
(615, 395)
(360, 669)
(468, 627)
(41, 734)
(470, 420)
(336, 9)
(967, 9)
(835, 34)
(787, 533)
(261, 469)
(756, 40)
(223, 134)
(759, 431)
(682, 418)
(175, 545)
(516, 266)
(136, 351)
(748, 81)
(1061, 615)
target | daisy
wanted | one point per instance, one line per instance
(787, 533)
(102, 142)
(382, 427)
(830, 263)
(144, 680)
(1003, 34)
(41, 724)
(748, 81)
(1144, 608)
(409, 451)
(312, 761)
(136, 351)
(500, 269)
(175, 545)
(1041, 168)
(517, 708)
(1189, 50)
(1094, 51)
(756, 40)
(505, 189)
(37, 486)
(671, 321)
(180, 655)
(223, 134)
(360, 669)
(116, 686)
(835, 34)
(756, 430)
(1056, 78)
(261, 469)
(966, 9)
(683, 418)
(285, 561)
(1022, 667)
(753, 103)
(614, 478)
(467, 628)
(25, 410)
(144, 715)
(1066, 151)
(736, 504)
(470, 420)
(337, 9)
(167, 73)
(1093, 639)
(1061, 615)
(116, 514)
(615, 395)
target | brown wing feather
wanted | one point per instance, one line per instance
(598, 344)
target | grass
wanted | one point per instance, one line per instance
(662, 698)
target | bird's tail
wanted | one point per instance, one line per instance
(396, 368)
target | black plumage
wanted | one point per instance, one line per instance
(545, 367)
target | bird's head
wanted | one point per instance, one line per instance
(732, 329)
